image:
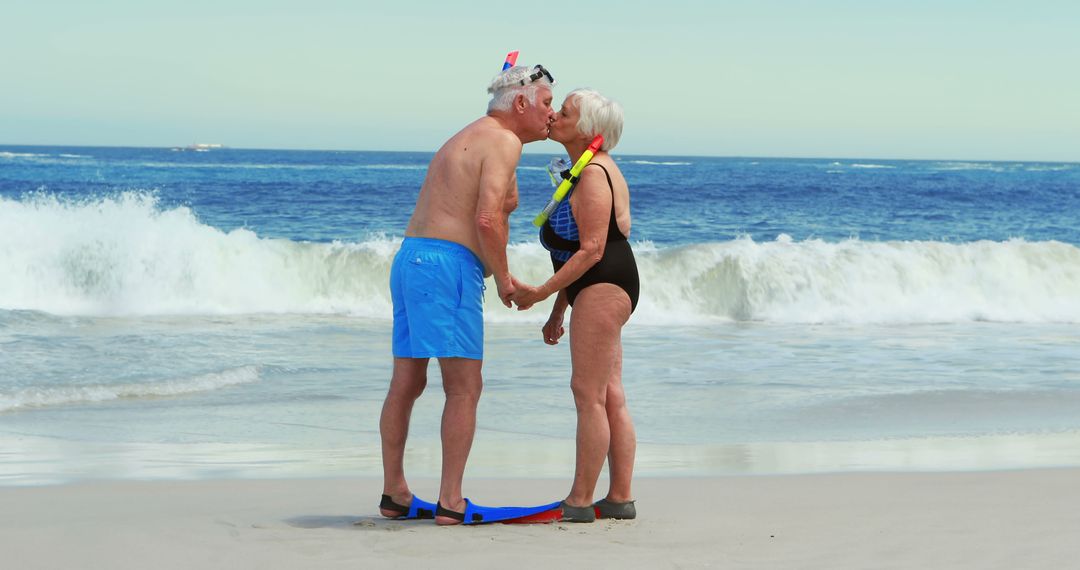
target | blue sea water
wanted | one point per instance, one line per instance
(176, 314)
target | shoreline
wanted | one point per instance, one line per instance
(1000, 519)
(35, 461)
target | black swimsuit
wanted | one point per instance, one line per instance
(559, 235)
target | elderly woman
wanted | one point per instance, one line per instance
(596, 274)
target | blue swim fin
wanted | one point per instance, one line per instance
(478, 514)
(417, 509)
(421, 509)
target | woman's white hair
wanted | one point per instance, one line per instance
(507, 85)
(598, 115)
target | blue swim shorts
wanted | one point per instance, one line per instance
(437, 288)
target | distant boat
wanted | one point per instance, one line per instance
(201, 147)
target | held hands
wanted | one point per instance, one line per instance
(521, 294)
(507, 289)
(525, 296)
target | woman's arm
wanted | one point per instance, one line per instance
(591, 204)
(553, 330)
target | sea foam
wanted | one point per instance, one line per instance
(44, 396)
(127, 255)
(853, 281)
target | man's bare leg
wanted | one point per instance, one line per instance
(462, 383)
(406, 385)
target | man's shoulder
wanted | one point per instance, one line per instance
(492, 131)
(507, 138)
(506, 144)
(494, 143)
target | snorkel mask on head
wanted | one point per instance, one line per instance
(503, 81)
(538, 72)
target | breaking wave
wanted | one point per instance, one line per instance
(126, 255)
(39, 397)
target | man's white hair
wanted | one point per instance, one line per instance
(507, 85)
(598, 115)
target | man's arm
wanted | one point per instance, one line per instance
(492, 217)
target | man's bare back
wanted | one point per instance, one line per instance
(471, 176)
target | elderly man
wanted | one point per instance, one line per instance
(457, 236)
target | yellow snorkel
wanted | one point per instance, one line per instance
(568, 183)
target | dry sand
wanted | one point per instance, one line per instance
(1020, 519)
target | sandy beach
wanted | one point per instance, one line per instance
(1017, 519)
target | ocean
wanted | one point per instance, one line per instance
(172, 314)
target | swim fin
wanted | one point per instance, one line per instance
(479, 514)
(417, 509)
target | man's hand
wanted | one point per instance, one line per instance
(507, 288)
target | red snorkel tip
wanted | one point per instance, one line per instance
(511, 60)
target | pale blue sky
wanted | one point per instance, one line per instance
(834, 78)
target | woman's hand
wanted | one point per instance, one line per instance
(553, 329)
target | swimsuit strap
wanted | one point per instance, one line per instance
(609, 184)
(614, 233)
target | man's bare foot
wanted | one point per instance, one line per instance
(449, 516)
(395, 506)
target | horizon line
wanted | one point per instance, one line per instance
(734, 156)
